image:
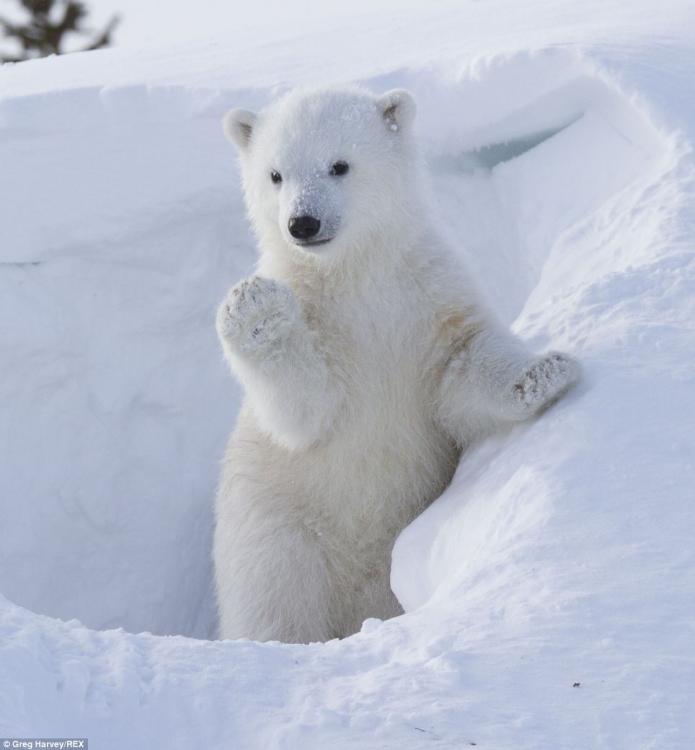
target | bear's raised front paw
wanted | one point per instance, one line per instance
(257, 315)
(541, 383)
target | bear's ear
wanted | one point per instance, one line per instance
(238, 127)
(397, 108)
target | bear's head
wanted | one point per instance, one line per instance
(327, 170)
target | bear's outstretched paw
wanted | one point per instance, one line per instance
(543, 382)
(257, 315)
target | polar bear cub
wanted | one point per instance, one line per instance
(368, 362)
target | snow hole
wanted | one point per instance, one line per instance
(129, 229)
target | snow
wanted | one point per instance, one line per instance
(558, 136)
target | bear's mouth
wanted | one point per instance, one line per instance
(312, 243)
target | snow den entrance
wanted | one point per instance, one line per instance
(119, 403)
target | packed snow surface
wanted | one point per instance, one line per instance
(550, 592)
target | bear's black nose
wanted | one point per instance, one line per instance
(304, 227)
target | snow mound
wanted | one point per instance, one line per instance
(560, 554)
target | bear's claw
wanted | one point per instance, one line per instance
(546, 379)
(256, 315)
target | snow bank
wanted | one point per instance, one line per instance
(561, 553)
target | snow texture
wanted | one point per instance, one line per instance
(558, 136)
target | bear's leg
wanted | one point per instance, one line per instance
(496, 379)
(274, 354)
(271, 577)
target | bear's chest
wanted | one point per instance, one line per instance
(382, 345)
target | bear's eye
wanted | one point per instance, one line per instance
(340, 168)
(275, 177)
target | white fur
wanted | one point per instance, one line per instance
(368, 362)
